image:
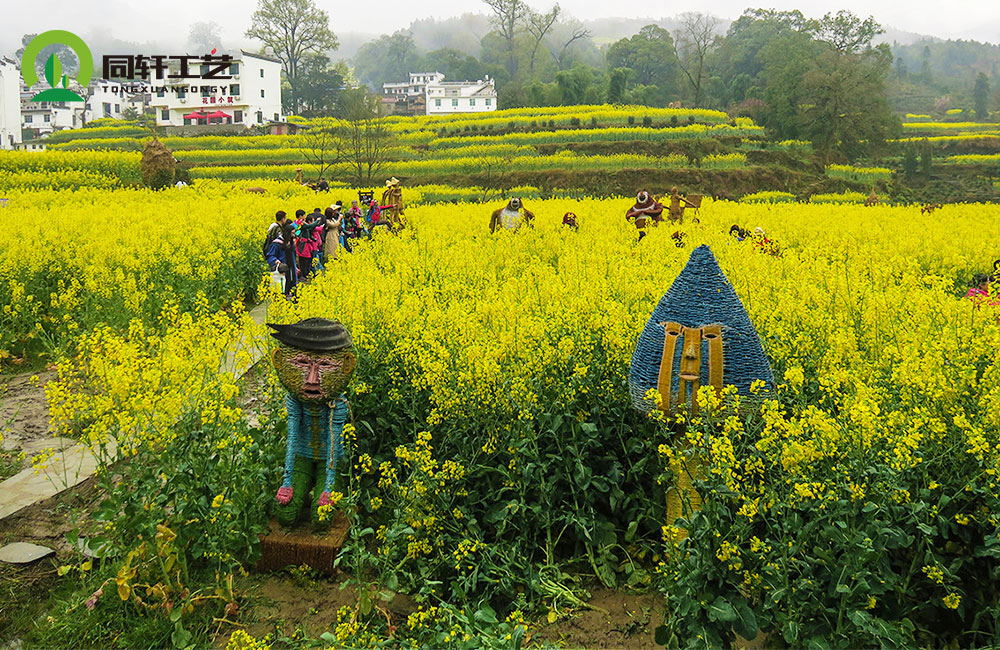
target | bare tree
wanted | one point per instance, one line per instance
(365, 141)
(697, 37)
(578, 33)
(322, 146)
(538, 26)
(87, 93)
(508, 18)
(493, 174)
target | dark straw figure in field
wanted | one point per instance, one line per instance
(314, 360)
(645, 212)
(569, 219)
(676, 211)
(511, 216)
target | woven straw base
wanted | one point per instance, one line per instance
(281, 548)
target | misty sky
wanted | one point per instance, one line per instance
(169, 21)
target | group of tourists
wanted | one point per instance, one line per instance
(294, 245)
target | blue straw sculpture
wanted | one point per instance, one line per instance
(701, 295)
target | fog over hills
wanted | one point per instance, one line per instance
(463, 33)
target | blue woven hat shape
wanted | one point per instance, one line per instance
(701, 295)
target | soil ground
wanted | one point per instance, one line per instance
(24, 589)
(283, 603)
(627, 622)
(24, 414)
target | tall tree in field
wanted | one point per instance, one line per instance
(616, 85)
(292, 29)
(539, 25)
(650, 59)
(981, 97)
(322, 146)
(739, 60)
(695, 40)
(845, 112)
(578, 33)
(320, 85)
(365, 142)
(507, 19)
(387, 59)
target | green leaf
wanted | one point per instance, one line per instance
(485, 614)
(630, 532)
(721, 611)
(328, 637)
(661, 635)
(790, 632)
(175, 613)
(518, 637)
(53, 70)
(746, 622)
(180, 637)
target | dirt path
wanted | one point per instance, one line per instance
(24, 413)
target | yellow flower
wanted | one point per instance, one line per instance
(952, 601)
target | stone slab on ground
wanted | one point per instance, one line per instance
(67, 468)
(281, 548)
(23, 553)
(252, 346)
(74, 463)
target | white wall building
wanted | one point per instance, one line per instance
(107, 99)
(10, 103)
(461, 97)
(42, 118)
(252, 97)
(415, 87)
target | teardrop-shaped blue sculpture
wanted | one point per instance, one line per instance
(701, 295)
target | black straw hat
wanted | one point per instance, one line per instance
(313, 334)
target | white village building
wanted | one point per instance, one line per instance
(416, 87)
(10, 103)
(42, 118)
(107, 99)
(251, 97)
(461, 97)
(431, 92)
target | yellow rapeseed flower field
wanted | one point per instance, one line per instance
(75, 260)
(864, 309)
(491, 395)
